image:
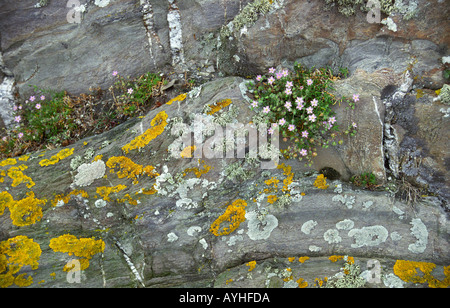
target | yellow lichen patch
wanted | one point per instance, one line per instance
(84, 248)
(27, 211)
(150, 191)
(272, 181)
(321, 182)
(8, 162)
(24, 158)
(188, 152)
(56, 158)
(129, 169)
(179, 98)
(105, 191)
(6, 200)
(127, 198)
(197, 171)
(302, 283)
(289, 176)
(234, 214)
(16, 174)
(158, 124)
(407, 271)
(272, 198)
(67, 197)
(319, 282)
(335, 258)
(218, 106)
(2, 174)
(15, 253)
(251, 265)
(98, 157)
(303, 259)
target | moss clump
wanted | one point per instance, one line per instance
(349, 7)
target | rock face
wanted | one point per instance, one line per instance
(152, 203)
(146, 216)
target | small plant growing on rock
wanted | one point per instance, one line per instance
(299, 104)
(366, 180)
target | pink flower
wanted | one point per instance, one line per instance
(312, 118)
(42, 97)
(258, 77)
(17, 119)
(356, 97)
(271, 80)
(305, 134)
(282, 121)
(288, 91)
(309, 82)
(32, 98)
(270, 131)
(309, 110)
(20, 135)
(130, 91)
(354, 125)
(15, 108)
(332, 120)
(291, 127)
(271, 70)
(288, 105)
(303, 152)
(289, 84)
(314, 102)
(266, 109)
(279, 75)
(274, 125)
(300, 106)
(284, 73)
(114, 73)
(299, 100)
(38, 106)
(255, 104)
(4, 139)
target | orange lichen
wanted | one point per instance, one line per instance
(188, 152)
(66, 198)
(105, 191)
(407, 271)
(16, 174)
(272, 181)
(321, 182)
(179, 98)
(335, 258)
(129, 169)
(251, 265)
(84, 248)
(26, 211)
(303, 259)
(158, 124)
(15, 253)
(127, 198)
(302, 283)
(197, 171)
(234, 214)
(272, 198)
(218, 106)
(289, 176)
(56, 158)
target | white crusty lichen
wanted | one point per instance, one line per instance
(88, 173)
(346, 224)
(390, 24)
(331, 236)
(308, 226)
(347, 200)
(172, 237)
(260, 226)
(101, 3)
(368, 236)
(420, 232)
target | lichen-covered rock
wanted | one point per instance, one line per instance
(149, 218)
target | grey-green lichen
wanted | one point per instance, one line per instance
(349, 278)
(248, 16)
(349, 7)
(444, 95)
